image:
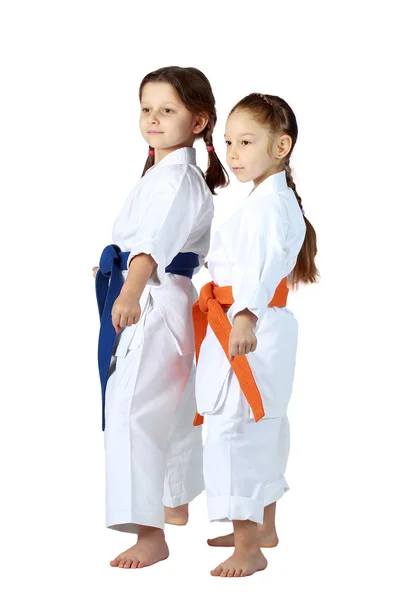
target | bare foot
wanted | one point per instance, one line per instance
(267, 535)
(242, 563)
(150, 548)
(177, 516)
(228, 541)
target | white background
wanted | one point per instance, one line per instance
(71, 151)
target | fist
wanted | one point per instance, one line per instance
(242, 340)
(125, 312)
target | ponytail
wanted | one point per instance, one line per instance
(215, 175)
(305, 270)
(150, 160)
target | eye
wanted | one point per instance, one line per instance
(245, 143)
(145, 110)
(227, 142)
(169, 111)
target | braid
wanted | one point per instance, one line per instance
(291, 183)
(216, 175)
(264, 97)
(149, 162)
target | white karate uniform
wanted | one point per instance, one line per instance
(244, 460)
(153, 452)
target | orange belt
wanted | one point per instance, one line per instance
(209, 309)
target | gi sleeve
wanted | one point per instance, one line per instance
(166, 224)
(261, 258)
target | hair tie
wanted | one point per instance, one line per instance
(210, 148)
(151, 152)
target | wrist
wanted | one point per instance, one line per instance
(130, 289)
(245, 318)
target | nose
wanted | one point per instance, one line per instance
(152, 119)
(232, 152)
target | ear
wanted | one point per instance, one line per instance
(200, 123)
(283, 146)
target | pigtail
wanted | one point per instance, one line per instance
(150, 160)
(215, 175)
(305, 270)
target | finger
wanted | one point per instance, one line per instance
(117, 329)
(241, 349)
(234, 349)
(115, 318)
(122, 321)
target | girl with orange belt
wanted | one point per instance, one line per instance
(248, 337)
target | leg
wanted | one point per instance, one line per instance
(247, 558)
(184, 471)
(142, 396)
(279, 442)
(267, 536)
(242, 475)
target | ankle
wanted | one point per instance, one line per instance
(145, 531)
(267, 531)
(248, 546)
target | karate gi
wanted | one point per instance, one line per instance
(153, 452)
(245, 460)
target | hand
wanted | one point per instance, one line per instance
(242, 339)
(95, 269)
(126, 311)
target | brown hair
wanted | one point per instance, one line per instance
(194, 89)
(280, 118)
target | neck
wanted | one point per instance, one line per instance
(264, 176)
(160, 153)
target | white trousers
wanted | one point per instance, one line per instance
(153, 452)
(244, 461)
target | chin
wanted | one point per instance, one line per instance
(242, 177)
(156, 143)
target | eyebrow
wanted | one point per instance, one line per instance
(253, 134)
(168, 102)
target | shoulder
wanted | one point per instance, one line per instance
(262, 209)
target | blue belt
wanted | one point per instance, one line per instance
(109, 281)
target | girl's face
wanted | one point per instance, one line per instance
(165, 122)
(252, 153)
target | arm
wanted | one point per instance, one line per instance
(166, 224)
(262, 264)
(255, 277)
(126, 310)
(163, 231)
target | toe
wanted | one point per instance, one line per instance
(121, 563)
(230, 573)
(238, 573)
(217, 571)
(127, 564)
(134, 564)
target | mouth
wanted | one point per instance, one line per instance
(237, 169)
(155, 132)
